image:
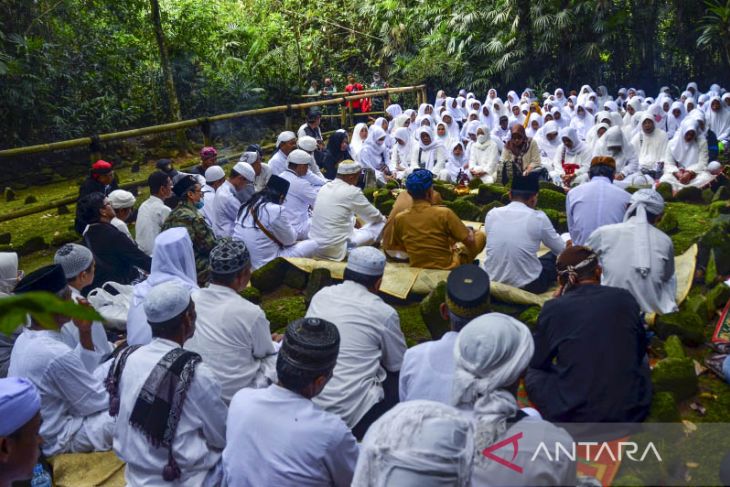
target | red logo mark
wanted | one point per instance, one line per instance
(512, 440)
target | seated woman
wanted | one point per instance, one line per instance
(374, 155)
(650, 144)
(457, 164)
(613, 144)
(118, 258)
(521, 155)
(400, 153)
(483, 157)
(427, 153)
(686, 158)
(338, 150)
(572, 160)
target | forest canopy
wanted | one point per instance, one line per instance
(77, 67)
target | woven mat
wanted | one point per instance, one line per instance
(102, 469)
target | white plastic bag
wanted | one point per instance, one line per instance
(113, 307)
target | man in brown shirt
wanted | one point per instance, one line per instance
(429, 234)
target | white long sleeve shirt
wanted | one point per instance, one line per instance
(208, 205)
(70, 333)
(514, 233)
(428, 370)
(278, 437)
(150, 217)
(299, 200)
(201, 430)
(371, 343)
(232, 335)
(592, 205)
(225, 210)
(261, 247)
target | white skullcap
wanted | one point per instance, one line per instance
(349, 167)
(307, 143)
(714, 167)
(74, 259)
(249, 157)
(422, 443)
(19, 402)
(245, 170)
(285, 137)
(298, 156)
(368, 261)
(165, 301)
(214, 173)
(120, 199)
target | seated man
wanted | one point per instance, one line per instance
(122, 202)
(171, 418)
(491, 353)
(20, 421)
(301, 196)
(637, 256)
(235, 192)
(263, 172)
(278, 435)
(365, 381)
(596, 203)
(403, 202)
(428, 368)
(231, 334)
(153, 211)
(514, 233)
(429, 234)
(69, 380)
(333, 219)
(215, 176)
(571, 377)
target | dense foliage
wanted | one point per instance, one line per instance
(73, 67)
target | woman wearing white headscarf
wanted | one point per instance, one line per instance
(427, 152)
(690, 104)
(417, 443)
(548, 141)
(486, 116)
(583, 95)
(456, 163)
(440, 99)
(443, 136)
(385, 125)
(498, 109)
(483, 156)
(649, 143)
(453, 107)
(602, 117)
(374, 154)
(676, 115)
(582, 121)
(686, 159)
(491, 353)
(394, 110)
(534, 124)
(461, 105)
(425, 109)
(560, 99)
(172, 260)
(718, 119)
(561, 118)
(572, 160)
(400, 121)
(613, 144)
(451, 125)
(358, 138)
(400, 153)
(633, 106)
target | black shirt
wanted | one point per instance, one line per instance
(116, 255)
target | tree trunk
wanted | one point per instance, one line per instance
(173, 103)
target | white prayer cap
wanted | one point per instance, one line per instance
(285, 137)
(214, 173)
(249, 157)
(74, 259)
(368, 261)
(714, 167)
(298, 156)
(422, 443)
(120, 199)
(349, 167)
(245, 170)
(307, 143)
(19, 402)
(165, 301)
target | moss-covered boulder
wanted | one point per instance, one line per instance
(5, 238)
(550, 186)
(690, 194)
(295, 278)
(549, 199)
(686, 324)
(270, 276)
(9, 194)
(280, 312)
(475, 183)
(381, 196)
(697, 304)
(719, 208)
(369, 192)
(722, 194)
(663, 409)
(676, 376)
(717, 297)
(529, 317)
(318, 279)
(251, 294)
(464, 209)
(665, 189)
(392, 184)
(30, 199)
(716, 240)
(431, 311)
(490, 192)
(669, 223)
(33, 244)
(673, 347)
(707, 195)
(446, 191)
(386, 207)
(558, 219)
(135, 168)
(61, 238)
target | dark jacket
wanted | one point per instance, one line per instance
(116, 255)
(91, 185)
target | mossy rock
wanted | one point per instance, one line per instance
(558, 219)
(550, 186)
(722, 194)
(30, 199)
(669, 223)
(5, 238)
(431, 312)
(369, 193)
(63, 210)
(716, 239)
(295, 278)
(707, 195)
(270, 276)
(464, 209)
(719, 208)
(689, 327)
(280, 312)
(548, 199)
(318, 279)
(711, 276)
(698, 304)
(676, 376)
(663, 409)
(475, 183)
(135, 168)
(665, 189)
(529, 317)
(490, 192)
(717, 298)
(386, 207)
(446, 191)
(392, 185)
(673, 347)
(471, 198)
(33, 244)
(251, 294)
(382, 195)
(690, 194)
(9, 194)
(64, 238)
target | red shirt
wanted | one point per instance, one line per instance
(354, 89)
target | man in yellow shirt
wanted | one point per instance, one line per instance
(430, 234)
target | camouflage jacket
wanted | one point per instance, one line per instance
(187, 216)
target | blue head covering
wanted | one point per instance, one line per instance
(19, 402)
(419, 181)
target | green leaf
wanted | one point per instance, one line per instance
(42, 306)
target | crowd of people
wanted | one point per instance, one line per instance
(197, 390)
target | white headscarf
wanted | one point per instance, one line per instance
(564, 117)
(356, 142)
(643, 201)
(718, 121)
(417, 443)
(8, 272)
(403, 134)
(490, 353)
(548, 147)
(686, 153)
(582, 124)
(373, 154)
(650, 148)
(434, 141)
(614, 137)
(531, 132)
(394, 110)
(572, 134)
(487, 120)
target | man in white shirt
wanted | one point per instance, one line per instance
(214, 178)
(300, 198)
(230, 196)
(153, 212)
(364, 384)
(285, 143)
(231, 334)
(74, 402)
(428, 368)
(123, 204)
(263, 171)
(170, 428)
(514, 233)
(637, 256)
(333, 219)
(278, 435)
(310, 146)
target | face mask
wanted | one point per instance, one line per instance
(245, 194)
(199, 204)
(482, 138)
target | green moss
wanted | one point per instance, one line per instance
(386, 207)
(270, 276)
(694, 221)
(412, 325)
(690, 194)
(31, 245)
(318, 279)
(446, 191)
(665, 189)
(663, 409)
(550, 186)
(391, 185)
(628, 481)
(687, 325)
(295, 278)
(381, 196)
(676, 376)
(529, 317)
(711, 276)
(251, 294)
(558, 219)
(697, 304)
(281, 312)
(707, 195)
(471, 198)
(669, 224)
(548, 199)
(475, 183)
(63, 210)
(64, 238)
(719, 208)
(490, 192)
(716, 239)
(722, 194)
(431, 313)
(717, 298)
(30, 199)
(673, 347)
(464, 209)
(369, 193)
